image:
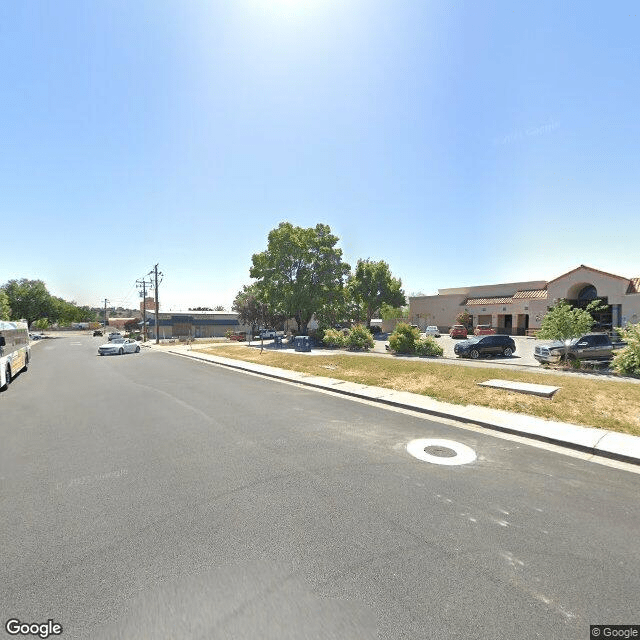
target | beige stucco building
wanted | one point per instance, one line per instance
(518, 307)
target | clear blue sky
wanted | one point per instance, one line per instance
(463, 142)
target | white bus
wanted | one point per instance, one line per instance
(15, 351)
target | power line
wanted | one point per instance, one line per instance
(157, 279)
(144, 284)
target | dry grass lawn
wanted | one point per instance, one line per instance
(604, 404)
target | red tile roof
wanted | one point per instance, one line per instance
(634, 286)
(488, 300)
(532, 293)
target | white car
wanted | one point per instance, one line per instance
(118, 346)
(432, 330)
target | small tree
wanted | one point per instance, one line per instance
(41, 324)
(563, 322)
(404, 338)
(132, 325)
(627, 360)
(360, 338)
(463, 318)
(334, 338)
(372, 285)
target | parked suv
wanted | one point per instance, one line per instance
(114, 336)
(485, 346)
(432, 330)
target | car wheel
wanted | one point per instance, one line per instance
(475, 354)
(137, 349)
(507, 352)
(7, 377)
(120, 351)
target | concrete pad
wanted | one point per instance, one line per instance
(544, 390)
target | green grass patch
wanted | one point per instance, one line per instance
(606, 404)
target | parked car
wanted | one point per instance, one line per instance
(458, 331)
(432, 330)
(36, 336)
(489, 345)
(484, 330)
(268, 334)
(591, 346)
(114, 335)
(118, 346)
(97, 332)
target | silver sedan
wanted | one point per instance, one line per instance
(118, 347)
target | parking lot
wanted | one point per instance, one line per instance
(522, 356)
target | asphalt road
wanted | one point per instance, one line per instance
(152, 496)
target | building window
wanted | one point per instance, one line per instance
(587, 294)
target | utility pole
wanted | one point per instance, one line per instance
(105, 313)
(155, 272)
(144, 283)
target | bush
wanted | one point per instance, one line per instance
(428, 347)
(404, 338)
(627, 360)
(334, 338)
(375, 330)
(359, 338)
(318, 335)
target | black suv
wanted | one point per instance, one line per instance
(495, 345)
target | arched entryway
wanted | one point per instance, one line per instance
(581, 294)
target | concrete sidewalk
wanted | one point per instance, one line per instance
(598, 442)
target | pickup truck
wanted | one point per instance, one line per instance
(591, 346)
(267, 334)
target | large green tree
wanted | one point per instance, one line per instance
(300, 273)
(372, 285)
(5, 308)
(29, 299)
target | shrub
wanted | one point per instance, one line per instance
(375, 329)
(627, 360)
(334, 338)
(404, 338)
(428, 347)
(318, 335)
(359, 338)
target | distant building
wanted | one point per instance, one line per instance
(118, 323)
(147, 303)
(194, 324)
(517, 307)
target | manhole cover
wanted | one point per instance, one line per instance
(441, 452)
(438, 451)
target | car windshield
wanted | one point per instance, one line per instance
(117, 341)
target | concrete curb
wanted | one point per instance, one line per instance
(598, 442)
